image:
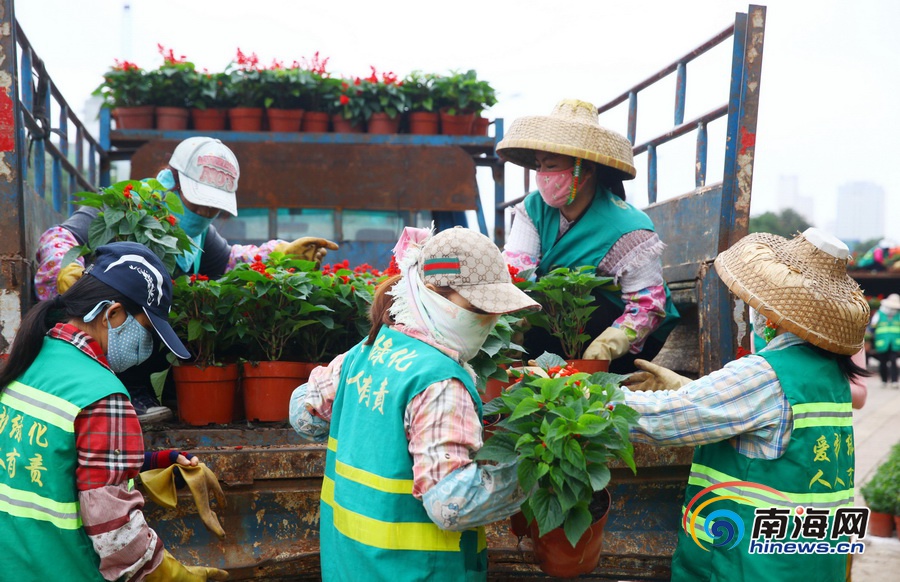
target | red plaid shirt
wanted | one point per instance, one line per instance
(108, 436)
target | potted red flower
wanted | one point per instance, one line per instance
(126, 89)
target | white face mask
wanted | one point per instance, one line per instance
(455, 327)
(759, 323)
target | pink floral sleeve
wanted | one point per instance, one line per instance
(245, 253)
(644, 312)
(52, 247)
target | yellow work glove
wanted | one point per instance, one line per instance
(609, 345)
(159, 485)
(171, 570)
(653, 377)
(308, 248)
(67, 276)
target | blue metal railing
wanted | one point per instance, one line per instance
(39, 99)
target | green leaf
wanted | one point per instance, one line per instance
(501, 447)
(547, 511)
(599, 474)
(591, 424)
(577, 522)
(574, 454)
(524, 408)
(527, 471)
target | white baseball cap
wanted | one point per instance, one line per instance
(208, 173)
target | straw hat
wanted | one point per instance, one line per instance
(892, 302)
(572, 130)
(801, 285)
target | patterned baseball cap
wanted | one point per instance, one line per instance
(471, 264)
(208, 173)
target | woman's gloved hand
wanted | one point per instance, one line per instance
(67, 276)
(653, 377)
(609, 345)
(308, 248)
(171, 570)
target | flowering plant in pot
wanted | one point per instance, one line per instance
(205, 386)
(385, 97)
(458, 96)
(423, 116)
(497, 353)
(245, 94)
(171, 88)
(349, 107)
(126, 89)
(209, 97)
(566, 297)
(284, 90)
(882, 495)
(563, 428)
(138, 211)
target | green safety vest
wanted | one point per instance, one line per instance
(42, 535)
(371, 526)
(815, 471)
(887, 333)
(605, 221)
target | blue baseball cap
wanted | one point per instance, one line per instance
(134, 271)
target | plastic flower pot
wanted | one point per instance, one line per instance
(881, 524)
(424, 123)
(172, 118)
(460, 124)
(245, 118)
(341, 125)
(556, 556)
(209, 119)
(134, 117)
(285, 120)
(480, 126)
(268, 386)
(518, 525)
(315, 122)
(382, 124)
(205, 395)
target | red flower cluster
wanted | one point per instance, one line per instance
(195, 278)
(247, 62)
(169, 56)
(366, 268)
(125, 66)
(388, 78)
(561, 372)
(315, 65)
(332, 269)
(170, 219)
(392, 269)
(127, 191)
(514, 274)
(260, 267)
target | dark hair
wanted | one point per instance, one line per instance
(846, 365)
(609, 178)
(380, 310)
(75, 303)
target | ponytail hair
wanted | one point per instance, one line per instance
(75, 303)
(380, 310)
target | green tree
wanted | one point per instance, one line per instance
(786, 224)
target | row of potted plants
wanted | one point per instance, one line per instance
(301, 96)
(882, 495)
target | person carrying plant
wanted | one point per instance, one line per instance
(204, 173)
(70, 440)
(885, 332)
(402, 497)
(578, 216)
(779, 419)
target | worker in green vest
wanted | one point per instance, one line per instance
(773, 430)
(578, 216)
(70, 441)
(885, 331)
(402, 497)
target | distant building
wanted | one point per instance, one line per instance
(789, 197)
(860, 212)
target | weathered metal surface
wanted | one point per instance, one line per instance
(359, 176)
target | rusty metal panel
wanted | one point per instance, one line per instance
(356, 176)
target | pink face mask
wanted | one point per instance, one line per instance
(555, 187)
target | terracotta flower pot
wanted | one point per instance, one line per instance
(245, 118)
(268, 386)
(173, 118)
(424, 123)
(315, 122)
(381, 123)
(460, 124)
(480, 126)
(590, 366)
(341, 125)
(880, 524)
(134, 117)
(205, 395)
(209, 119)
(286, 120)
(518, 525)
(556, 556)
(897, 525)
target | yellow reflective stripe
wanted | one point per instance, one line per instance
(822, 414)
(822, 407)
(46, 407)
(332, 444)
(363, 477)
(425, 537)
(703, 476)
(699, 527)
(29, 505)
(822, 421)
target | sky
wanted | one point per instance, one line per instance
(830, 76)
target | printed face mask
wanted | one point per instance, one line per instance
(455, 327)
(555, 187)
(127, 345)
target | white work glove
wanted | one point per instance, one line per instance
(609, 345)
(654, 377)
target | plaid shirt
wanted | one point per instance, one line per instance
(743, 402)
(110, 448)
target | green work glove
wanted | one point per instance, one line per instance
(171, 570)
(609, 345)
(653, 377)
(308, 248)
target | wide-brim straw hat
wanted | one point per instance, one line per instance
(572, 130)
(801, 285)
